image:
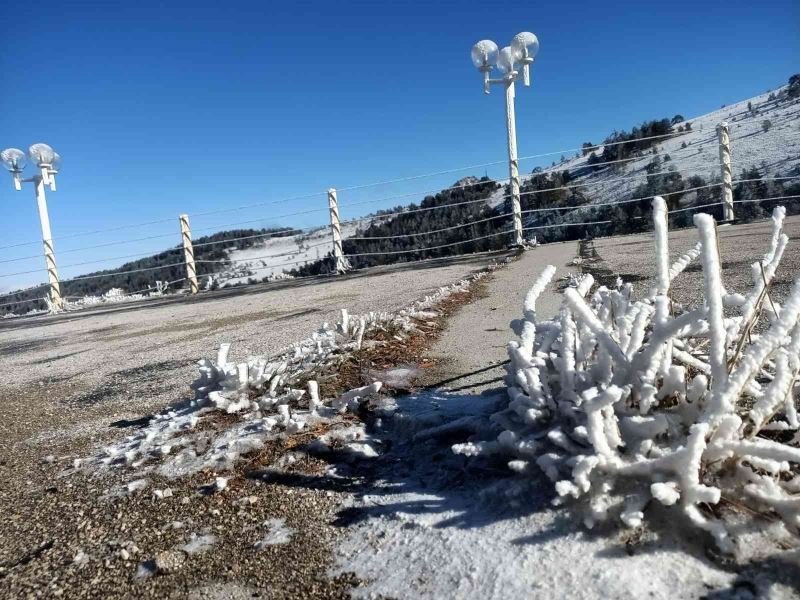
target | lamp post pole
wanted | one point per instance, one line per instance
(485, 56)
(513, 163)
(47, 161)
(47, 241)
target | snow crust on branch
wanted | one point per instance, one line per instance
(245, 404)
(622, 401)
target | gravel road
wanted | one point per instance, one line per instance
(72, 382)
(632, 258)
(472, 347)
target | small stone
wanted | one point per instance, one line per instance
(124, 554)
(169, 561)
(137, 485)
(161, 494)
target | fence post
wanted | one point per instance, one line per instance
(725, 165)
(188, 253)
(336, 230)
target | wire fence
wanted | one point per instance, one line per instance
(476, 213)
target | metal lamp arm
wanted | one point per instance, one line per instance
(507, 80)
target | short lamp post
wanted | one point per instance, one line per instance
(47, 162)
(486, 56)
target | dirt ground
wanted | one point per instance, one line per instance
(70, 383)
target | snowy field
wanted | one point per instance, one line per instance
(275, 257)
(777, 149)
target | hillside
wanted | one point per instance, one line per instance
(274, 258)
(395, 239)
(765, 143)
(626, 166)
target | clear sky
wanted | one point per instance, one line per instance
(166, 107)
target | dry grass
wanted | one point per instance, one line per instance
(386, 352)
(390, 352)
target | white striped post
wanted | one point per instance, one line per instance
(47, 239)
(723, 135)
(188, 254)
(336, 231)
(513, 164)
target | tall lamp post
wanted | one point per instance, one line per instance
(485, 56)
(47, 161)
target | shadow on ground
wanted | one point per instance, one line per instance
(417, 474)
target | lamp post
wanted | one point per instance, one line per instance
(485, 56)
(47, 161)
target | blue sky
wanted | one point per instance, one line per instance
(160, 108)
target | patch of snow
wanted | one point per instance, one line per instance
(269, 258)
(80, 558)
(136, 485)
(199, 543)
(429, 528)
(277, 533)
(400, 378)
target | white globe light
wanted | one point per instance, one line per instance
(505, 60)
(484, 54)
(13, 159)
(41, 154)
(525, 45)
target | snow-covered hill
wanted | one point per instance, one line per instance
(275, 257)
(775, 151)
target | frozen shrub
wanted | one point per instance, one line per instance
(239, 406)
(622, 401)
